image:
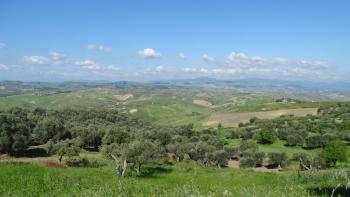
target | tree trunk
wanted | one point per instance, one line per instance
(124, 168)
(119, 170)
(138, 168)
(60, 159)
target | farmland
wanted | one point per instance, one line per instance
(199, 142)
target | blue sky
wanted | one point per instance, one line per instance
(146, 40)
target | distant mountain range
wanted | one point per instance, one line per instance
(336, 90)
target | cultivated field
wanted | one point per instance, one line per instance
(233, 119)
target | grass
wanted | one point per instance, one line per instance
(183, 179)
(31, 177)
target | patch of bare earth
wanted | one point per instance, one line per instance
(202, 102)
(124, 97)
(131, 111)
(233, 164)
(233, 119)
(264, 169)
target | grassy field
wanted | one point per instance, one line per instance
(164, 106)
(180, 179)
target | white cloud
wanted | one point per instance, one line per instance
(36, 60)
(159, 68)
(181, 56)
(57, 58)
(2, 45)
(89, 64)
(208, 58)
(4, 67)
(112, 67)
(189, 70)
(242, 65)
(98, 47)
(149, 53)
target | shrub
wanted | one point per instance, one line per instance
(82, 162)
(248, 144)
(278, 159)
(333, 152)
(252, 158)
(266, 137)
(315, 141)
(294, 140)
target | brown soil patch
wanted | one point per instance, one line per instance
(202, 102)
(233, 164)
(52, 164)
(124, 97)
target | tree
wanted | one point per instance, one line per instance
(277, 159)
(140, 152)
(90, 136)
(15, 131)
(333, 152)
(312, 163)
(294, 140)
(50, 128)
(216, 158)
(179, 150)
(117, 152)
(116, 135)
(251, 158)
(314, 141)
(266, 137)
(248, 144)
(64, 147)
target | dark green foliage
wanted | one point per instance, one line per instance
(15, 130)
(266, 137)
(116, 135)
(251, 158)
(315, 141)
(50, 128)
(83, 162)
(64, 148)
(216, 158)
(248, 144)
(277, 159)
(333, 152)
(295, 140)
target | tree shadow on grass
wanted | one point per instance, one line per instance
(154, 171)
(31, 152)
(327, 191)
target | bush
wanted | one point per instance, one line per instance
(82, 162)
(333, 152)
(248, 144)
(315, 141)
(266, 137)
(252, 158)
(278, 159)
(294, 140)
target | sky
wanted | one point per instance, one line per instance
(62, 40)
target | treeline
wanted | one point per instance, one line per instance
(129, 141)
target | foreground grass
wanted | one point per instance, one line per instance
(184, 179)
